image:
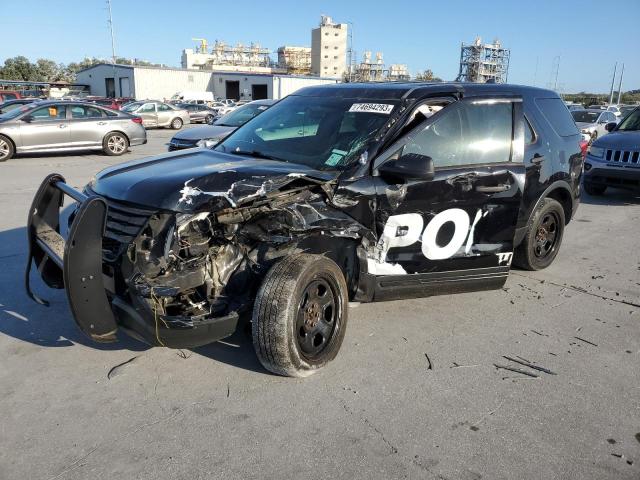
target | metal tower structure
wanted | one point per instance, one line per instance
(483, 63)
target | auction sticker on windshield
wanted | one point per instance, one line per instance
(371, 108)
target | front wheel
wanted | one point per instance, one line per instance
(115, 144)
(176, 123)
(300, 315)
(208, 120)
(543, 238)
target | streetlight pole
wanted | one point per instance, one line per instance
(620, 84)
(113, 42)
(613, 81)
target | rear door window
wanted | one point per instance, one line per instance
(557, 114)
(82, 111)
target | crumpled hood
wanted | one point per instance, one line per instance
(200, 179)
(208, 131)
(620, 140)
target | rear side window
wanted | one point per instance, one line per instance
(555, 111)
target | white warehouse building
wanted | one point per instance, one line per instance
(107, 80)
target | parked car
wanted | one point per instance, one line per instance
(614, 109)
(9, 95)
(12, 104)
(198, 97)
(222, 108)
(627, 109)
(592, 122)
(335, 193)
(112, 103)
(574, 106)
(210, 135)
(158, 114)
(52, 126)
(199, 113)
(614, 160)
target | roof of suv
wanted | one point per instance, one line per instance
(399, 90)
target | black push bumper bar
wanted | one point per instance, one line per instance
(74, 264)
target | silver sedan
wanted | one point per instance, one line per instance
(158, 114)
(54, 126)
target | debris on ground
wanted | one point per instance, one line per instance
(429, 364)
(529, 364)
(116, 370)
(586, 341)
(514, 369)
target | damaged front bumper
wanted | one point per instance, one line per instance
(77, 265)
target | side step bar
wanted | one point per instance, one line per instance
(74, 264)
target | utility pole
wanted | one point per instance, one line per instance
(113, 42)
(620, 84)
(557, 68)
(350, 53)
(535, 74)
(613, 81)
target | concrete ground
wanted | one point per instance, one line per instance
(378, 411)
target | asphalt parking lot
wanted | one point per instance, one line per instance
(414, 392)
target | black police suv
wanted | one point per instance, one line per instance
(360, 192)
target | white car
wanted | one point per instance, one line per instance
(614, 109)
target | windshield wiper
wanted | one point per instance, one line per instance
(255, 154)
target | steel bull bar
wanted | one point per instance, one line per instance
(74, 264)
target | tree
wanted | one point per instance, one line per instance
(18, 68)
(427, 76)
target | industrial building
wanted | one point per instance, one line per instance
(374, 70)
(295, 60)
(483, 63)
(159, 82)
(329, 48)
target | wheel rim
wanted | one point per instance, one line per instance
(317, 318)
(4, 149)
(177, 123)
(546, 239)
(116, 144)
(209, 119)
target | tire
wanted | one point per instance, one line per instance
(176, 123)
(115, 144)
(7, 150)
(300, 315)
(544, 234)
(594, 190)
(209, 119)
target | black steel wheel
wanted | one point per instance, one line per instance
(542, 241)
(300, 315)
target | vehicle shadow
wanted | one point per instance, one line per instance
(23, 319)
(236, 351)
(612, 196)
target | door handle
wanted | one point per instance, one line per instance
(496, 189)
(537, 159)
(102, 123)
(62, 126)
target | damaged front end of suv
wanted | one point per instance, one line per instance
(182, 274)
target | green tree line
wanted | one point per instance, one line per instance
(44, 70)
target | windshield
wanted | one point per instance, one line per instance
(584, 116)
(130, 107)
(241, 115)
(321, 132)
(631, 122)
(625, 110)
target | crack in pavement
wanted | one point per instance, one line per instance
(579, 290)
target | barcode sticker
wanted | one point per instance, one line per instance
(383, 108)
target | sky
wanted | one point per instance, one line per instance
(589, 37)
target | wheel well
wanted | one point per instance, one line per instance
(116, 131)
(564, 198)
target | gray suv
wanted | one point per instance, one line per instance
(54, 126)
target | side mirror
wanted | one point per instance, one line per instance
(411, 166)
(27, 118)
(610, 126)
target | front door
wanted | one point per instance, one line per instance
(453, 232)
(45, 128)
